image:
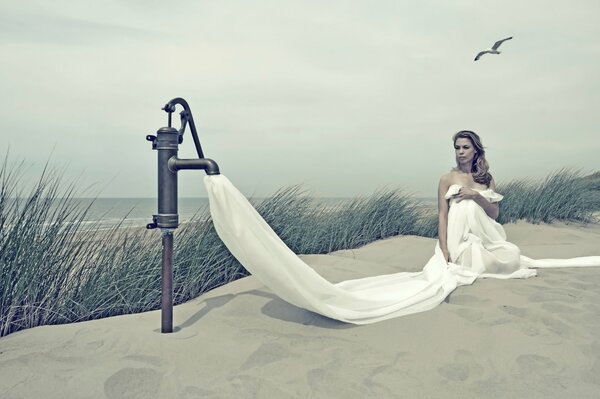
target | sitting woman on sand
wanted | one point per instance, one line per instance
(467, 232)
(471, 173)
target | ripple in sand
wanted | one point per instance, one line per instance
(553, 295)
(193, 392)
(560, 308)
(497, 321)
(586, 276)
(467, 300)
(146, 359)
(583, 286)
(513, 310)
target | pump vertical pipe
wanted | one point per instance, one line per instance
(166, 300)
(167, 218)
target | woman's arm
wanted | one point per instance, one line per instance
(490, 208)
(443, 216)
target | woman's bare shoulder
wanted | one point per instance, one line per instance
(445, 182)
(447, 178)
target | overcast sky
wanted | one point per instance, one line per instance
(345, 97)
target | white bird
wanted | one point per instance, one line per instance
(493, 50)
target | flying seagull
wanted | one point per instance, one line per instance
(493, 50)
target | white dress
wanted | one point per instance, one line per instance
(477, 246)
(478, 243)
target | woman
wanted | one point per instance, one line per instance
(469, 237)
(471, 172)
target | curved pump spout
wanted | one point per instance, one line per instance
(208, 165)
(166, 142)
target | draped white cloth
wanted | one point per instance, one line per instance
(477, 246)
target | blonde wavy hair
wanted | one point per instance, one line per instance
(480, 167)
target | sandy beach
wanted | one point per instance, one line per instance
(535, 338)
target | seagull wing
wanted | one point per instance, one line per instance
(499, 42)
(480, 54)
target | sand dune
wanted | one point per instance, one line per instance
(536, 338)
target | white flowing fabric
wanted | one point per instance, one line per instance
(476, 243)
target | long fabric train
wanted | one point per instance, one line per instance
(476, 243)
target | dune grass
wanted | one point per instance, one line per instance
(55, 271)
(309, 226)
(565, 195)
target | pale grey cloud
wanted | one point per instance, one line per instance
(45, 25)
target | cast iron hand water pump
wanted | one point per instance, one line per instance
(166, 142)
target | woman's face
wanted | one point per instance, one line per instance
(464, 150)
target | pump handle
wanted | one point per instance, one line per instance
(186, 118)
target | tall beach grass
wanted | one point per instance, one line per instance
(55, 271)
(565, 195)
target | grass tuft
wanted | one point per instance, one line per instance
(565, 195)
(308, 226)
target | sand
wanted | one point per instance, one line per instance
(536, 338)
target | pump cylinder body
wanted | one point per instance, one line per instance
(166, 146)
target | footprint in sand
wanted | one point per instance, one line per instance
(329, 383)
(530, 330)
(556, 326)
(532, 364)
(82, 345)
(133, 383)
(377, 377)
(476, 315)
(268, 352)
(592, 351)
(543, 375)
(471, 315)
(463, 367)
(592, 376)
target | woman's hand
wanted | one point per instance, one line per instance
(446, 254)
(465, 193)
(491, 208)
